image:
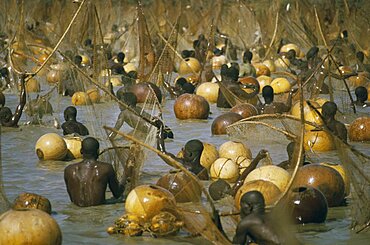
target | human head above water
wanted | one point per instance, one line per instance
(268, 93)
(120, 57)
(5, 114)
(193, 149)
(70, 113)
(90, 148)
(252, 202)
(78, 60)
(329, 109)
(247, 56)
(361, 93)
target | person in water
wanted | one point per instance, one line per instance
(87, 181)
(117, 66)
(2, 99)
(271, 107)
(192, 153)
(288, 164)
(131, 118)
(7, 119)
(71, 126)
(229, 78)
(253, 226)
(4, 75)
(329, 109)
(247, 69)
(220, 188)
(361, 96)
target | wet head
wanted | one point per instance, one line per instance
(120, 57)
(329, 109)
(252, 202)
(70, 113)
(78, 60)
(361, 94)
(268, 94)
(219, 189)
(5, 115)
(247, 56)
(90, 148)
(193, 150)
(4, 72)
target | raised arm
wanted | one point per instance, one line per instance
(160, 143)
(22, 102)
(262, 154)
(118, 125)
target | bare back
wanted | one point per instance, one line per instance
(87, 182)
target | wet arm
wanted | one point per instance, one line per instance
(241, 235)
(119, 123)
(289, 100)
(160, 144)
(262, 154)
(22, 102)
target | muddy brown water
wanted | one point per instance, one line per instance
(23, 172)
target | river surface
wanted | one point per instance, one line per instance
(23, 172)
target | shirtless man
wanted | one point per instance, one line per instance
(7, 119)
(71, 125)
(329, 109)
(192, 152)
(230, 80)
(253, 226)
(271, 107)
(247, 69)
(361, 97)
(132, 119)
(87, 181)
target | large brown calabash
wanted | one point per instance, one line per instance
(143, 90)
(359, 130)
(191, 106)
(221, 122)
(245, 110)
(182, 186)
(325, 179)
(32, 200)
(307, 205)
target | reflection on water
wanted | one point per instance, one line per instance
(22, 171)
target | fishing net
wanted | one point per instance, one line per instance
(357, 166)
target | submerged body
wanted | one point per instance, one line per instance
(71, 126)
(87, 181)
(253, 226)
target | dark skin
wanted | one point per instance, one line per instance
(329, 109)
(220, 188)
(71, 126)
(87, 181)
(361, 97)
(261, 155)
(230, 80)
(253, 226)
(8, 119)
(4, 73)
(271, 107)
(132, 119)
(191, 159)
